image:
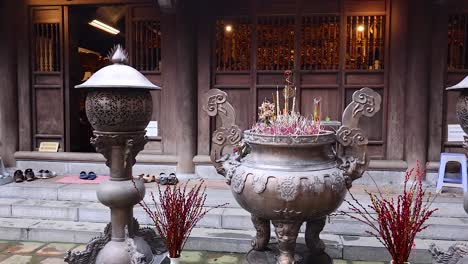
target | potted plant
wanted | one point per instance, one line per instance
(179, 209)
(396, 221)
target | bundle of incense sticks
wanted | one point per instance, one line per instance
(317, 110)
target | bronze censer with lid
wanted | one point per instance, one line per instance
(289, 180)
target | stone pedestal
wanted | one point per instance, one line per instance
(123, 241)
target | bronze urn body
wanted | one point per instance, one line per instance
(289, 180)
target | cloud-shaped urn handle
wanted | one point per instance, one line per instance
(228, 134)
(352, 154)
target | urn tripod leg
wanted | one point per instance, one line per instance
(312, 235)
(286, 232)
(260, 242)
(314, 244)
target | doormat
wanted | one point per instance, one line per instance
(76, 179)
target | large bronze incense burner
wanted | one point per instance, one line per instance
(289, 180)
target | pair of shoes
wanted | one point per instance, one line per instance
(88, 176)
(28, 175)
(45, 174)
(163, 179)
(147, 178)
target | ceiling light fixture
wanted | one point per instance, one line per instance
(228, 28)
(360, 28)
(105, 27)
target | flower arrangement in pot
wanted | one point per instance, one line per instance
(395, 222)
(179, 209)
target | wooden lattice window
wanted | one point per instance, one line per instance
(457, 57)
(233, 46)
(275, 43)
(365, 37)
(46, 37)
(320, 43)
(147, 45)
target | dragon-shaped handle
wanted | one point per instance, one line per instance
(353, 155)
(228, 134)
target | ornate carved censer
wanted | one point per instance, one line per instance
(462, 114)
(289, 180)
(119, 107)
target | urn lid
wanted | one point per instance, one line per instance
(118, 74)
(460, 86)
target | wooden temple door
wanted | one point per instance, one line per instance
(333, 49)
(144, 41)
(47, 82)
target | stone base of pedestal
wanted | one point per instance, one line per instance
(145, 248)
(302, 256)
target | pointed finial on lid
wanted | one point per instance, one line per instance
(118, 55)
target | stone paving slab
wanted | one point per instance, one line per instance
(55, 249)
(24, 247)
(78, 192)
(17, 259)
(42, 209)
(370, 249)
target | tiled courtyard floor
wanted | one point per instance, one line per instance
(18, 252)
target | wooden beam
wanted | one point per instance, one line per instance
(397, 79)
(168, 5)
(437, 79)
(86, 2)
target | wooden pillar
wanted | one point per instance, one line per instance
(437, 79)
(186, 86)
(24, 85)
(8, 84)
(169, 76)
(205, 28)
(397, 79)
(417, 81)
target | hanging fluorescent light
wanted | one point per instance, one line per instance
(105, 27)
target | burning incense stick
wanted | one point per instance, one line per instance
(277, 102)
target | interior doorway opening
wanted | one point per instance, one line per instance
(93, 31)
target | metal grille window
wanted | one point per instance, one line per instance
(320, 43)
(233, 46)
(147, 45)
(365, 37)
(46, 37)
(275, 43)
(457, 57)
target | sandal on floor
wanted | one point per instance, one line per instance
(172, 179)
(148, 178)
(46, 174)
(18, 176)
(29, 174)
(92, 175)
(83, 175)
